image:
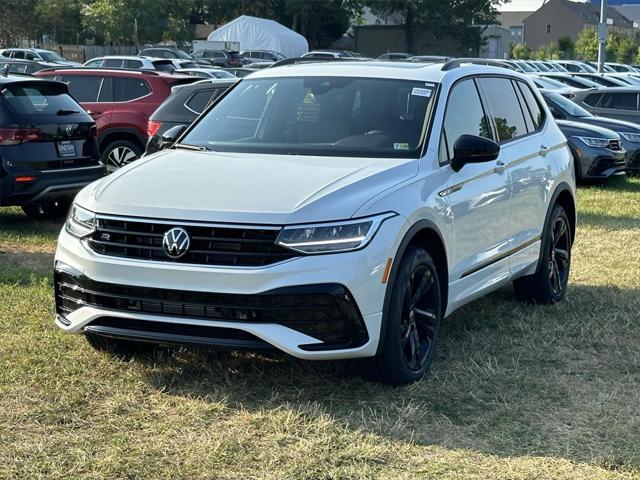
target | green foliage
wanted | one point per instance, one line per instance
(566, 47)
(551, 51)
(521, 51)
(587, 45)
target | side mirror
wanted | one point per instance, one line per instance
(170, 136)
(473, 149)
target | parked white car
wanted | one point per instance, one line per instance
(332, 211)
(140, 63)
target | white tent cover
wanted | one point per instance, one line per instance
(255, 33)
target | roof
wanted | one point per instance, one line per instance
(512, 19)
(21, 78)
(632, 12)
(429, 72)
(591, 14)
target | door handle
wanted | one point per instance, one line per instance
(500, 167)
(543, 150)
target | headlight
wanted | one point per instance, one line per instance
(331, 237)
(80, 221)
(594, 141)
(632, 137)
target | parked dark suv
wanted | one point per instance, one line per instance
(219, 58)
(120, 101)
(182, 107)
(47, 146)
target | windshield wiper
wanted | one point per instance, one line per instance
(186, 146)
(66, 112)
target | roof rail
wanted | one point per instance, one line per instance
(144, 71)
(297, 60)
(457, 62)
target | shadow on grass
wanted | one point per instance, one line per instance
(620, 184)
(612, 222)
(14, 221)
(510, 380)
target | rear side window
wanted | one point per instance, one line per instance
(132, 64)
(126, 89)
(621, 101)
(464, 116)
(33, 100)
(113, 63)
(164, 65)
(505, 108)
(199, 100)
(531, 104)
(18, 54)
(83, 88)
(95, 63)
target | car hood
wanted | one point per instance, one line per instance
(578, 128)
(244, 188)
(610, 123)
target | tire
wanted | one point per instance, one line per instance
(118, 347)
(53, 210)
(119, 153)
(412, 321)
(549, 284)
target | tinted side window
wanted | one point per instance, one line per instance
(113, 63)
(532, 104)
(504, 107)
(622, 101)
(18, 54)
(592, 100)
(132, 64)
(125, 89)
(464, 115)
(199, 100)
(83, 88)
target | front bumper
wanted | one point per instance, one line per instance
(605, 165)
(312, 307)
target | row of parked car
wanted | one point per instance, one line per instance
(137, 110)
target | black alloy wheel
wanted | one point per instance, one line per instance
(411, 320)
(559, 248)
(419, 322)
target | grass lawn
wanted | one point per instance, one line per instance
(517, 391)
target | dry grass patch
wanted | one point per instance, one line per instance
(517, 391)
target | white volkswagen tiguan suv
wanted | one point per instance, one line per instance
(332, 211)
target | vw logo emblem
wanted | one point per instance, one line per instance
(175, 242)
(68, 130)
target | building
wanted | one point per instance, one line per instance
(632, 12)
(560, 18)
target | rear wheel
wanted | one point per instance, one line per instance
(52, 210)
(549, 284)
(119, 347)
(119, 153)
(413, 320)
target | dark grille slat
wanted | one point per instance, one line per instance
(210, 245)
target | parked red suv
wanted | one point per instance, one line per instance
(120, 102)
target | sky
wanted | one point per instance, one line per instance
(531, 5)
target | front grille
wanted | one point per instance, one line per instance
(209, 245)
(602, 164)
(614, 144)
(327, 312)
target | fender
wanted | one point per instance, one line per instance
(415, 228)
(129, 131)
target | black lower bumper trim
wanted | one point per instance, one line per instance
(327, 312)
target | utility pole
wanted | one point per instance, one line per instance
(602, 35)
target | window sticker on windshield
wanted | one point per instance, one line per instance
(421, 92)
(401, 146)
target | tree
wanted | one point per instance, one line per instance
(566, 48)
(587, 45)
(521, 51)
(454, 19)
(551, 51)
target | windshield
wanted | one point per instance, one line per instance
(51, 57)
(549, 83)
(340, 116)
(183, 55)
(567, 105)
(526, 67)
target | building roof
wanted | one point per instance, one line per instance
(591, 14)
(512, 19)
(632, 12)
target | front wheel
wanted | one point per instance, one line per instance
(413, 319)
(549, 284)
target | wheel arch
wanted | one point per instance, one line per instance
(114, 134)
(424, 234)
(563, 195)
